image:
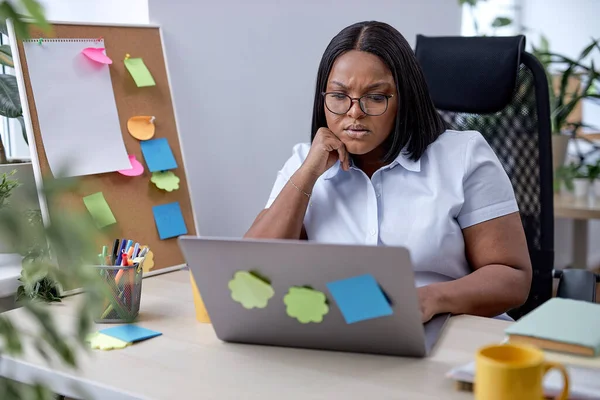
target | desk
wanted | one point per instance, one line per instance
(581, 211)
(188, 361)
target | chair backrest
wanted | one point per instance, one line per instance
(490, 84)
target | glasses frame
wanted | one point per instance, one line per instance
(353, 99)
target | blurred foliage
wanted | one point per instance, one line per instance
(498, 22)
(67, 241)
(7, 185)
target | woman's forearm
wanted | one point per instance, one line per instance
(489, 291)
(285, 217)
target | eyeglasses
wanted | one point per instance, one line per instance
(370, 104)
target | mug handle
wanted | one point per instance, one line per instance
(565, 392)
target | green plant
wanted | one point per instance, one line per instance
(6, 187)
(564, 100)
(594, 171)
(498, 22)
(566, 174)
(10, 103)
(69, 240)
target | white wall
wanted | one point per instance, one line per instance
(569, 27)
(113, 11)
(243, 75)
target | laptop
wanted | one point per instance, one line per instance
(289, 263)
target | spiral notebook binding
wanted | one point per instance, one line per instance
(44, 40)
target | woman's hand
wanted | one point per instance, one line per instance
(428, 300)
(325, 150)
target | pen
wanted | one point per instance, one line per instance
(136, 249)
(129, 244)
(121, 251)
(124, 260)
(115, 252)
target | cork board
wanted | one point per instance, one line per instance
(130, 198)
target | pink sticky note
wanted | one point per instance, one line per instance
(136, 167)
(97, 54)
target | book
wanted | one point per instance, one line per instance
(584, 382)
(563, 325)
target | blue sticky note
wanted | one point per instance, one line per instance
(169, 220)
(130, 333)
(360, 298)
(158, 155)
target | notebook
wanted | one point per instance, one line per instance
(564, 325)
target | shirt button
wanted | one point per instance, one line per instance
(378, 194)
(373, 232)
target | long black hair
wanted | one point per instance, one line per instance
(417, 122)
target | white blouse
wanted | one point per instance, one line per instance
(422, 205)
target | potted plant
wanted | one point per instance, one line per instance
(570, 81)
(594, 175)
(572, 178)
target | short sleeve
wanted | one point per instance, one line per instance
(488, 192)
(299, 153)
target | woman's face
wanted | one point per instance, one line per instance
(357, 73)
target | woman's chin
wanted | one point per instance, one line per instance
(358, 149)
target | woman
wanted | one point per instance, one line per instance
(381, 169)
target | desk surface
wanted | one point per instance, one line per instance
(188, 361)
(567, 206)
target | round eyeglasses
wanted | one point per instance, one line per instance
(370, 104)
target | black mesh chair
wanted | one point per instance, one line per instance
(490, 84)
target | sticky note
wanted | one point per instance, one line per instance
(97, 54)
(165, 180)
(139, 72)
(305, 304)
(359, 298)
(141, 127)
(100, 341)
(99, 210)
(158, 155)
(130, 333)
(201, 313)
(136, 167)
(249, 290)
(148, 261)
(169, 220)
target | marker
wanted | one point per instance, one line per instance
(136, 249)
(115, 252)
(124, 260)
(121, 250)
(129, 244)
(143, 252)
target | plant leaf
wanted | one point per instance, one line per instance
(585, 52)
(36, 11)
(7, 11)
(6, 56)
(10, 104)
(472, 3)
(23, 130)
(499, 22)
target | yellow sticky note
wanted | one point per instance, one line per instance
(100, 341)
(148, 261)
(139, 72)
(141, 127)
(201, 313)
(99, 209)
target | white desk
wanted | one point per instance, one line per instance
(188, 361)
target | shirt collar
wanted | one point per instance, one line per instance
(402, 159)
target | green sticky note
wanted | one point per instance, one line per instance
(99, 209)
(100, 341)
(165, 180)
(306, 305)
(139, 72)
(249, 290)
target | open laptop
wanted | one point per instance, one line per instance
(213, 263)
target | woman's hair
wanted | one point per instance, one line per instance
(417, 122)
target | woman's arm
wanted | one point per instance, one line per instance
(497, 252)
(284, 219)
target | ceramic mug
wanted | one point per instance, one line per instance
(515, 372)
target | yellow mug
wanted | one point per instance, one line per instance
(515, 372)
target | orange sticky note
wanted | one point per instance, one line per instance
(141, 127)
(201, 313)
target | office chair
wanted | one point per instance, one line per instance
(492, 85)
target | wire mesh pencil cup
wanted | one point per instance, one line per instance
(122, 292)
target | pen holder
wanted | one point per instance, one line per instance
(122, 291)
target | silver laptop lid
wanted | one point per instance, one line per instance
(287, 264)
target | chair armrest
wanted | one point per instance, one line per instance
(577, 284)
